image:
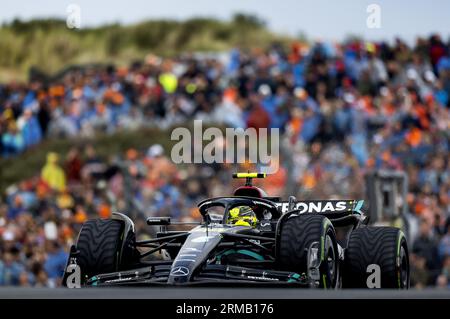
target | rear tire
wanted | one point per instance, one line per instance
(297, 234)
(99, 246)
(382, 246)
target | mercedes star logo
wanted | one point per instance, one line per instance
(179, 271)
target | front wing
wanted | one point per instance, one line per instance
(211, 274)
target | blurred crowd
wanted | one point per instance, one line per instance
(343, 109)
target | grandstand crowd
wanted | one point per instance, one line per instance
(343, 109)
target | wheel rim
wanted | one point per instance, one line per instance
(404, 266)
(330, 260)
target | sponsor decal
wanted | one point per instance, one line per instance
(265, 224)
(118, 280)
(201, 239)
(262, 278)
(318, 206)
(179, 271)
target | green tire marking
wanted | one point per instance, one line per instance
(322, 239)
(322, 254)
(401, 235)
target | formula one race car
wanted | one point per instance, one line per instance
(247, 238)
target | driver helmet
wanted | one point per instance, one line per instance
(242, 216)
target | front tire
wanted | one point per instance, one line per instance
(99, 247)
(297, 235)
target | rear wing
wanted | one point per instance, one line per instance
(323, 206)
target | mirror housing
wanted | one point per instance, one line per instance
(158, 221)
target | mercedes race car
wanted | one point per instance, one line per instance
(247, 238)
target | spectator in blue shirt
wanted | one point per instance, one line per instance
(56, 260)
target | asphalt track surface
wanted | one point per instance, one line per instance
(215, 293)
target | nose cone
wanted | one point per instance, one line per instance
(192, 255)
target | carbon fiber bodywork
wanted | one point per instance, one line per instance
(202, 255)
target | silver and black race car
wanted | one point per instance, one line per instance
(320, 243)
